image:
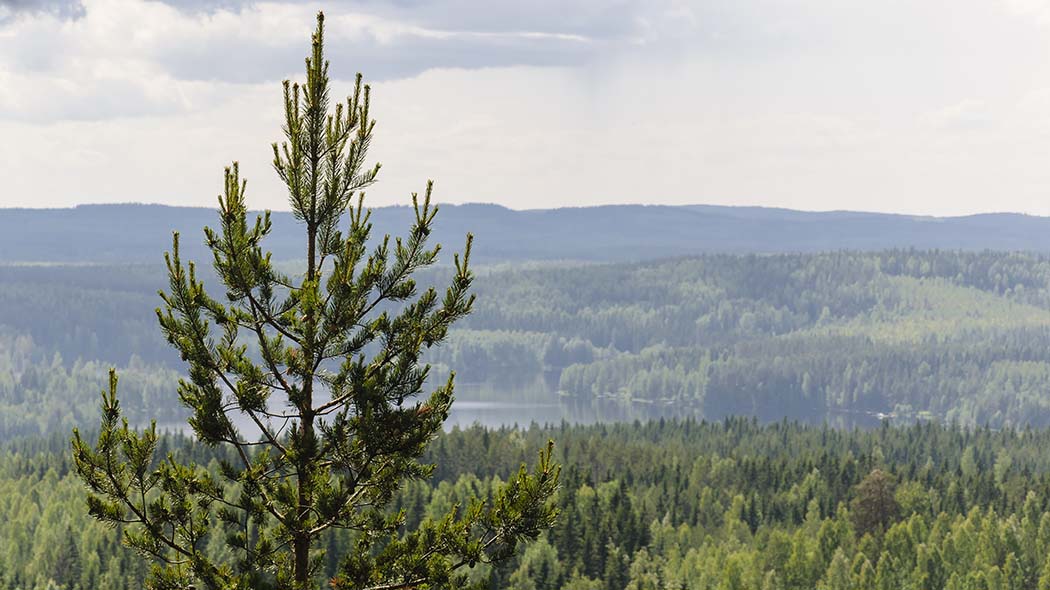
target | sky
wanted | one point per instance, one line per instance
(913, 106)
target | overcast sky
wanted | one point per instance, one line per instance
(915, 106)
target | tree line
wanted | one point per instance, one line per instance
(684, 504)
(955, 336)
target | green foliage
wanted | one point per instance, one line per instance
(41, 393)
(956, 336)
(839, 336)
(682, 504)
(330, 386)
(875, 508)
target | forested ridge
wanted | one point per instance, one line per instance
(960, 337)
(123, 233)
(953, 336)
(665, 504)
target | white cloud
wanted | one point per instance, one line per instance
(922, 107)
(1038, 9)
(967, 114)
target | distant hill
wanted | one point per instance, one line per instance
(841, 337)
(141, 233)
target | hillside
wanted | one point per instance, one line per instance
(140, 233)
(839, 337)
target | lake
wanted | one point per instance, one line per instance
(494, 407)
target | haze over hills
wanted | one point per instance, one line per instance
(141, 233)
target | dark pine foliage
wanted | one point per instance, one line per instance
(329, 389)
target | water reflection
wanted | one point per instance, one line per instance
(494, 406)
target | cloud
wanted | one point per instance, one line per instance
(938, 106)
(254, 41)
(595, 19)
(268, 44)
(65, 9)
(965, 115)
(109, 58)
(1038, 9)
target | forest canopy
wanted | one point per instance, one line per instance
(680, 504)
(954, 336)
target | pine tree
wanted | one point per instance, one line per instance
(874, 508)
(331, 388)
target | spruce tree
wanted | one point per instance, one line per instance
(332, 386)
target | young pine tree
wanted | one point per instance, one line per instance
(330, 388)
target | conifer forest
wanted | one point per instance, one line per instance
(309, 385)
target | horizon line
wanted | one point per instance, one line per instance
(567, 207)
